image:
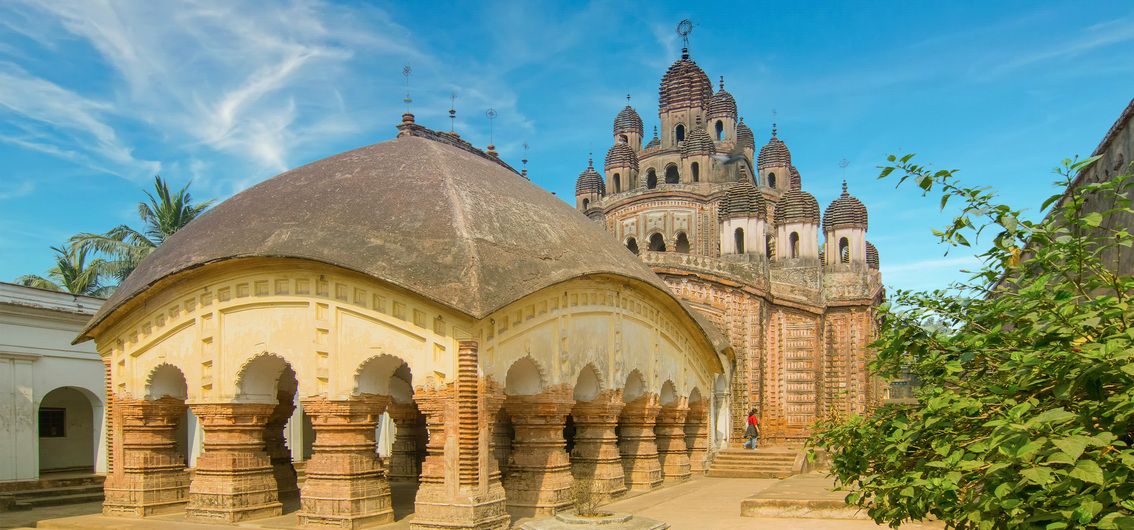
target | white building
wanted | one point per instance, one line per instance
(51, 392)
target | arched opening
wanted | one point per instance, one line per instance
(771, 180)
(635, 386)
(269, 379)
(671, 174)
(167, 381)
(793, 245)
(524, 378)
(66, 425)
(720, 411)
(668, 394)
(617, 183)
(738, 238)
(769, 246)
(400, 434)
(682, 244)
(695, 169)
(588, 385)
(651, 178)
(632, 245)
(844, 250)
(624, 139)
(679, 133)
(720, 130)
(657, 243)
(586, 203)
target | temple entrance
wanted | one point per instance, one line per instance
(67, 424)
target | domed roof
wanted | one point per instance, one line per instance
(628, 121)
(845, 212)
(698, 143)
(797, 206)
(744, 136)
(774, 153)
(796, 180)
(684, 86)
(871, 256)
(722, 104)
(621, 155)
(590, 181)
(742, 200)
(440, 220)
(655, 141)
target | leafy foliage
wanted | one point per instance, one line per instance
(1025, 413)
(72, 273)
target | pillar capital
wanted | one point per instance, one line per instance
(538, 480)
(595, 457)
(670, 433)
(234, 480)
(638, 444)
(151, 477)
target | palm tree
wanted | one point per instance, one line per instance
(71, 273)
(125, 247)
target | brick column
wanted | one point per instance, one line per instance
(637, 444)
(275, 444)
(595, 456)
(151, 476)
(697, 436)
(346, 484)
(538, 479)
(405, 460)
(233, 481)
(670, 432)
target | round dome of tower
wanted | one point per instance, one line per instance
(443, 221)
(684, 86)
(742, 200)
(722, 104)
(796, 179)
(845, 212)
(871, 256)
(774, 153)
(797, 206)
(621, 155)
(628, 121)
(698, 143)
(590, 181)
(744, 136)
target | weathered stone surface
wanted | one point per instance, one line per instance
(275, 444)
(151, 477)
(670, 433)
(697, 436)
(405, 455)
(538, 480)
(595, 456)
(618, 521)
(233, 480)
(638, 445)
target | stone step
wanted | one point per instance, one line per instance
(52, 492)
(57, 500)
(776, 458)
(28, 485)
(747, 473)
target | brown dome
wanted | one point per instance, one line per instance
(698, 143)
(590, 181)
(621, 155)
(797, 206)
(796, 180)
(742, 200)
(845, 212)
(628, 121)
(744, 136)
(684, 86)
(774, 153)
(722, 104)
(871, 256)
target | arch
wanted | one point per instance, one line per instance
(738, 238)
(793, 245)
(375, 374)
(524, 378)
(586, 203)
(672, 176)
(668, 394)
(682, 244)
(617, 183)
(679, 133)
(657, 242)
(588, 384)
(632, 245)
(258, 380)
(635, 386)
(769, 246)
(695, 396)
(844, 250)
(651, 178)
(720, 130)
(772, 179)
(67, 419)
(625, 139)
(166, 380)
(695, 170)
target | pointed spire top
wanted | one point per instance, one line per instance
(627, 99)
(844, 186)
(406, 71)
(590, 160)
(843, 164)
(773, 123)
(683, 29)
(722, 82)
(524, 161)
(655, 131)
(453, 112)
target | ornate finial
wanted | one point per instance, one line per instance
(406, 71)
(684, 28)
(491, 114)
(655, 131)
(590, 160)
(843, 164)
(524, 161)
(627, 99)
(453, 112)
(773, 123)
(722, 82)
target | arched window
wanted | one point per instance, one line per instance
(720, 130)
(771, 180)
(679, 133)
(682, 244)
(738, 236)
(586, 203)
(671, 174)
(632, 245)
(769, 247)
(844, 250)
(696, 169)
(793, 245)
(651, 178)
(617, 183)
(657, 243)
(624, 138)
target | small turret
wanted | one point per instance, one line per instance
(621, 167)
(742, 213)
(589, 187)
(774, 163)
(844, 229)
(797, 226)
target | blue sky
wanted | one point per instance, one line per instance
(96, 97)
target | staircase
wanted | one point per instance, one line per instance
(772, 462)
(51, 492)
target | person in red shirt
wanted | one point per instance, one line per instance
(752, 430)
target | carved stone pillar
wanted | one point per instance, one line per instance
(346, 484)
(151, 476)
(460, 480)
(405, 461)
(538, 479)
(233, 481)
(637, 444)
(672, 451)
(697, 436)
(595, 456)
(275, 444)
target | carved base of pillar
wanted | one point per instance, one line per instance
(151, 478)
(697, 438)
(234, 480)
(638, 445)
(539, 480)
(595, 457)
(466, 512)
(404, 462)
(672, 452)
(151, 493)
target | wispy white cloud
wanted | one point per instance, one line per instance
(16, 189)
